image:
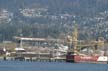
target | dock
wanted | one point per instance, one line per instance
(38, 57)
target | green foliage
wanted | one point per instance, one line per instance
(56, 20)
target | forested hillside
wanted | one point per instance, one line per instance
(53, 18)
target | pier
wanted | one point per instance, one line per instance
(32, 56)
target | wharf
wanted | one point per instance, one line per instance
(32, 56)
(33, 59)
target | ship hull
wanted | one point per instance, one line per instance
(86, 59)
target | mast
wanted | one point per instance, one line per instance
(75, 38)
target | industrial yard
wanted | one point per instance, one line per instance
(43, 49)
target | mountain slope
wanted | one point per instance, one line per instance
(44, 18)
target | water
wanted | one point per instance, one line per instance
(50, 66)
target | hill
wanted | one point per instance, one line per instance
(53, 18)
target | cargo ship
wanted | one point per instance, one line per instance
(73, 55)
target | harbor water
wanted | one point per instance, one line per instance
(50, 66)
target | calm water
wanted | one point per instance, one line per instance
(50, 66)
